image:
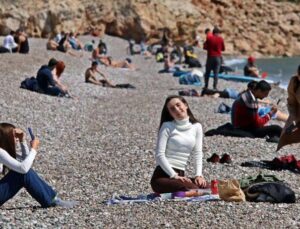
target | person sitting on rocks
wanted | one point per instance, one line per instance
(244, 114)
(48, 78)
(18, 171)
(22, 40)
(9, 44)
(52, 44)
(75, 42)
(180, 134)
(250, 69)
(90, 76)
(64, 46)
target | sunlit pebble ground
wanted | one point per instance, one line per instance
(103, 143)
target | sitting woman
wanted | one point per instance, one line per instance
(180, 135)
(20, 174)
(52, 44)
(90, 76)
(48, 78)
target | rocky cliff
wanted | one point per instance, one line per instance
(256, 26)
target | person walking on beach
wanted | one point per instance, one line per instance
(20, 174)
(214, 45)
(244, 114)
(180, 134)
(291, 130)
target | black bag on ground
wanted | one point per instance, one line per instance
(228, 130)
(125, 85)
(274, 192)
(30, 84)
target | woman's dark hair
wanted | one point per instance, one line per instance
(263, 86)
(297, 82)
(166, 116)
(7, 139)
(251, 85)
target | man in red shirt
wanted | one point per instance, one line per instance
(244, 113)
(214, 45)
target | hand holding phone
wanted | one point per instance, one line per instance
(290, 129)
(31, 133)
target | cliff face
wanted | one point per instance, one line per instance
(257, 26)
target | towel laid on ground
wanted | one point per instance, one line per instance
(143, 198)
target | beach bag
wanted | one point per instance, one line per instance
(30, 84)
(274, 192)
(229, 190)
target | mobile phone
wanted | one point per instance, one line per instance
(278, 101)
(31, 133)
(293, 127)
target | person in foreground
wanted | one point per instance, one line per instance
(291, 130)
(180, 134)
(244, 114)
(20, 174)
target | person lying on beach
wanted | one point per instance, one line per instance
(180, 135)
(48, 78)
(244, 113)
(250, 69)
(109, 62)
(90, 76)
(18, 170)
(9, 44)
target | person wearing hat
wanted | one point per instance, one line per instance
(46, 78)
(250, 69)
(90, 76)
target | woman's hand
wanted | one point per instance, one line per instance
(19, 134)
(183, 179)
(35, 143)
(200, 181)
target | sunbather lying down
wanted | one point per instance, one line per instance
(90, 77)
(127, 63)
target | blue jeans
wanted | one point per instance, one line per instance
(212, 64)
(35, 186)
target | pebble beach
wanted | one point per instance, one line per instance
(103, 143)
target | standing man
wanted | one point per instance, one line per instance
(214, 45)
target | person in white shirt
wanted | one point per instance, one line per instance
(20, 174)
(179, 136)
(9, 44)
